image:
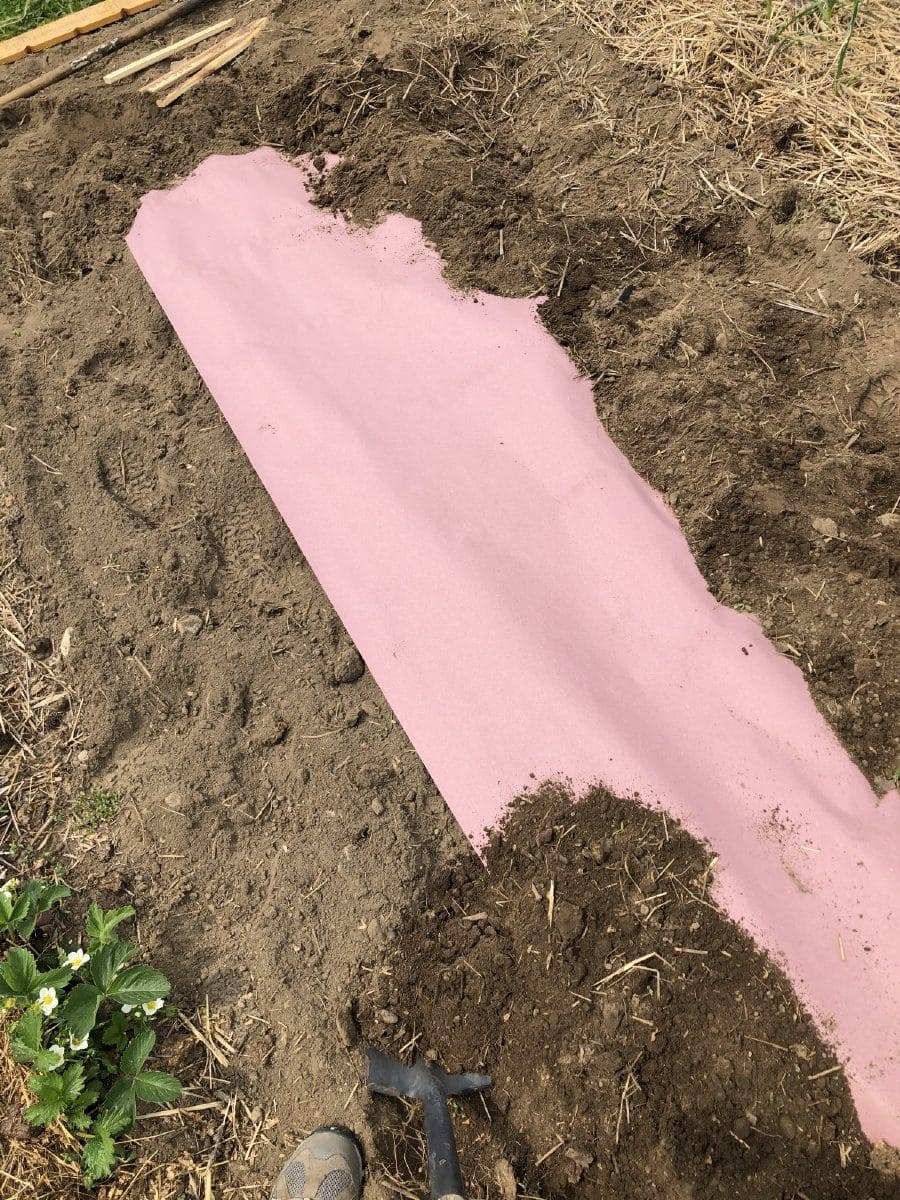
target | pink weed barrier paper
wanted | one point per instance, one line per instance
(528, 605)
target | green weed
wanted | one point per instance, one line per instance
(818, 13)
(96, 807)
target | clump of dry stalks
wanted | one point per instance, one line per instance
(809, 89)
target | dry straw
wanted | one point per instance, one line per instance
(38, 725)
(809, 90)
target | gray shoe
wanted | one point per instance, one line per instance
(325, 1166)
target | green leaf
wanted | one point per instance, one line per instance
(46, 1060)
(77, 1116)
(108, 960)
(78, 1119)
(20, 907)
(22, 1053)
(79, 1012)
(114, 1028)
(27, 1030)
(100, 924)
(43, 1112)
(135, 1053)
(58, 978)
(137, 985)
(156, 1087)
(73, 1083)
(24, 912)
(98, 1157)
(19, 972)
(50, 895)
(46, 1087)
(119, 1108)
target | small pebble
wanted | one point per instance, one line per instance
(826, 526)
(189, 624)
(377, 807)
(741, 1128)
(387, 1017)
(787, 1127)
(349, 666)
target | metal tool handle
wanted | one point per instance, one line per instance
(443, 1160)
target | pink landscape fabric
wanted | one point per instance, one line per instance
(528, 605)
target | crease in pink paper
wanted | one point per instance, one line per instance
(528, 605)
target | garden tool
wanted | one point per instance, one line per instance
(433, 1086)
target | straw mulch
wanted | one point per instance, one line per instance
(38, 726)
(765, 77)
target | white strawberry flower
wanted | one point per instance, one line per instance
(60, 1054)
(127, 1008)
(152, 1006)
(77, 958)
(47, 1001)
(81, 1044)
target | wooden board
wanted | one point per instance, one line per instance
(71, 26)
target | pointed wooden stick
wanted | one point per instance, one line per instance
(225, 57)
(141, 64)
(188, 65)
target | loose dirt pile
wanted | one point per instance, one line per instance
(640, 1045)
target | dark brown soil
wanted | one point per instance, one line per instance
(692, 1073)
(277, 824)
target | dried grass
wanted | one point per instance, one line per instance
(38, 725)
(768, 82)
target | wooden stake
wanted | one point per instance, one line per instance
(189, 65)
(105, 48)
(51, 33)
(225, 57)
(149, 60)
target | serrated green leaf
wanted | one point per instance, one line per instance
(156, 1087)
(98, 1157)
(22, 1053)
(100, 924)
(46, 1060)
(27, 1029)
(46, 1087)
(79, 1011)
(137, 985)
(19, 908)
(77, 1115)
(114, 1029)
(58, 978)
(43, 1112)
(78, 1119)
(50, 895)
(119, 1108)
(73, 1083)
(135, 1053)
(108, 961)
(19, 972)
(24, 912)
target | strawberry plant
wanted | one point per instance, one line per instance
(81, 1020)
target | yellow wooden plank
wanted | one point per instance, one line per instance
(66, 28)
